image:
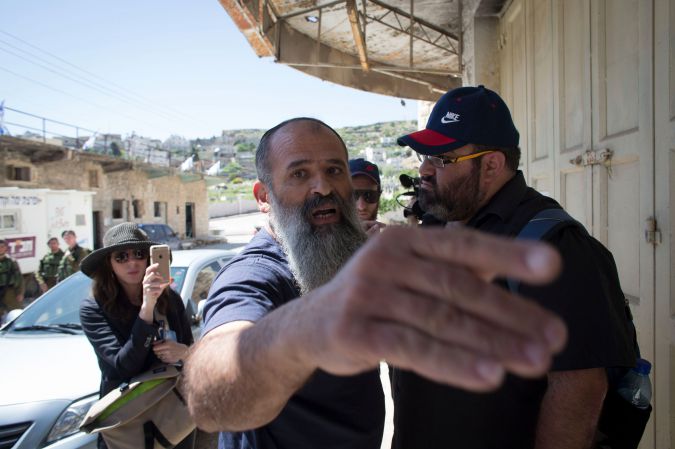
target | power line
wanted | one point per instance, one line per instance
(71, 95)
(131, 93)
(110, 92)
(84, 83)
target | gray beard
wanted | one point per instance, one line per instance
(316, 254)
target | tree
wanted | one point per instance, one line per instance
(115, 149)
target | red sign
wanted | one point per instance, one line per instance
(21, 247)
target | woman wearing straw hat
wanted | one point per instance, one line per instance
(130, 304)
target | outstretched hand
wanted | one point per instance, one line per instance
(422, 300)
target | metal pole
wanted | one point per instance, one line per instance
(44, 130)
(412, 23)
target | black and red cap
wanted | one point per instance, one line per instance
(361, 166)
(462, 116)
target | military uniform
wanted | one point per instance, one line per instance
(49, 269)
(70, 262)
(11, 284)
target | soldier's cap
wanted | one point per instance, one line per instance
(361, 166)
(121, 236)
(462, 116)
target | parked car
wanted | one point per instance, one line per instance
(50, 375)
(162, 233)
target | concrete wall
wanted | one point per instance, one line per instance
(227, 209)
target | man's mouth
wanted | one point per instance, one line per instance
(427, 183)
(325, 215)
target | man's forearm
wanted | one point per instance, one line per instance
(240, 375)
(570, 409)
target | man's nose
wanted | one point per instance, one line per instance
(321, 186)
(426, 168)
(361, 204)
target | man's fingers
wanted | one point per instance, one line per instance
(467, 293)
(524, 353)
(532, 262)
(410, 349)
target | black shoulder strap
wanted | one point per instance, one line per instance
(538, 227)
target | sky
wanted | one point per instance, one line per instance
(158, 68)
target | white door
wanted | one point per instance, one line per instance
(578, 75)
(622, 98)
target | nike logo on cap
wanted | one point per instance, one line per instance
(450, 117)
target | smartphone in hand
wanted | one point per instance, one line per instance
(160, 254)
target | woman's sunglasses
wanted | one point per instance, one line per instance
(124, 256)
(370, 196)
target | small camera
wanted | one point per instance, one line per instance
(411, 206)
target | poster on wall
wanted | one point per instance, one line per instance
(21, 247)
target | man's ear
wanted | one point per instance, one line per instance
(260, 194)
(493, 165)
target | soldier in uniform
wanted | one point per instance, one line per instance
(70, 262)
(49, 266)
(11, 282)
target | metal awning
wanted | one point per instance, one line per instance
(403, 48)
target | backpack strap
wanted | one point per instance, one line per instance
(538, 227)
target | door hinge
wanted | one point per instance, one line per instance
(652, 231)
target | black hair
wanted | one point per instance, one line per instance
(511, 154)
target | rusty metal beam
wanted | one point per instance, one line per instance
(378, 68)
(417, 20)
(359, 39)
(312, 9)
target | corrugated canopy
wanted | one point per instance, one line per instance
(409, 49)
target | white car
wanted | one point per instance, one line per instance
(48, 370)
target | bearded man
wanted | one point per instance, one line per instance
(296, 325)
(469, 177)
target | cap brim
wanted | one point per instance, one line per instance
(365, 173)
(94, 259)
(429, 142)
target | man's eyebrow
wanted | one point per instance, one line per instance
(300, 162)
(297, 163)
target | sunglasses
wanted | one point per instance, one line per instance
(124, 256)
(370, 196)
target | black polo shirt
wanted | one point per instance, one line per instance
(587, 296)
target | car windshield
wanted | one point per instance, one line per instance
(59, 308)
(178, 278)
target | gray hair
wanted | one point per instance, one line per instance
(262, 165)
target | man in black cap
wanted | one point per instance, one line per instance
(367, 190)
(296, 324)
(469, 175)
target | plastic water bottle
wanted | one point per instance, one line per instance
(635, 387)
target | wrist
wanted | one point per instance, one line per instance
(146, 312)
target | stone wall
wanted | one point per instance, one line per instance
(112, 179)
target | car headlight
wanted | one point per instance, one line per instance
(69, 421)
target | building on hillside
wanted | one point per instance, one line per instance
(148, 150)
(376, 155)
(124, 190)
(176, 143)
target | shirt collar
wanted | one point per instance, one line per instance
(503, 203)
